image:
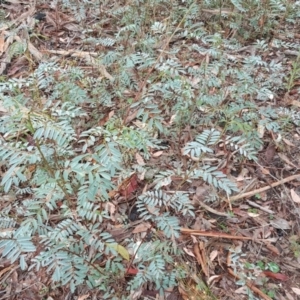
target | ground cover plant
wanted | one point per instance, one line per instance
(149, 149)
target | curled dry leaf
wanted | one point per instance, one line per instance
(188, 251)
(213, 278)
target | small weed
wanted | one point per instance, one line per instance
(294, 73)
(295, 245)
(253, 210)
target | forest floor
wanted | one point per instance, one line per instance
(240, 246)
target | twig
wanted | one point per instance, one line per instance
(265, 188)
(219, 235)
(269, 211)
(211, 210)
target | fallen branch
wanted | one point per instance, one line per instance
(257, 191)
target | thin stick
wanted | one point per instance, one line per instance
(220, 235)
(269, 211)
(265, 188)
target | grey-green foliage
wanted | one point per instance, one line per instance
(154, 205)
(204, 144)
(152, 259)
(203, 141)
(173, 69)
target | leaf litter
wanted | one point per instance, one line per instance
(227, 235)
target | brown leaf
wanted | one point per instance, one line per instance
(272, 248)
(143, 227)
(278, 276)
(264, 171)
(128, 186)
(106, 118)
(270, 153)
(200, 252)
(72, 27)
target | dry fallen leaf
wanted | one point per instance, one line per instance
(270, 153)
(286, 160)
(296, 291)
(264, 171)
(242, 290)
(295, 103)
(212, 279)
(157, 154)
(188, 251)
(242, 175)
(139, 159)
(128, 186)
(280, 223)
(278, 276)
(1, 43)
(253, 215)
(288, 142)
(83, 297)
(213, 255)
(172, 119)
(143, 227)
(295, 196)
(112, 209)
